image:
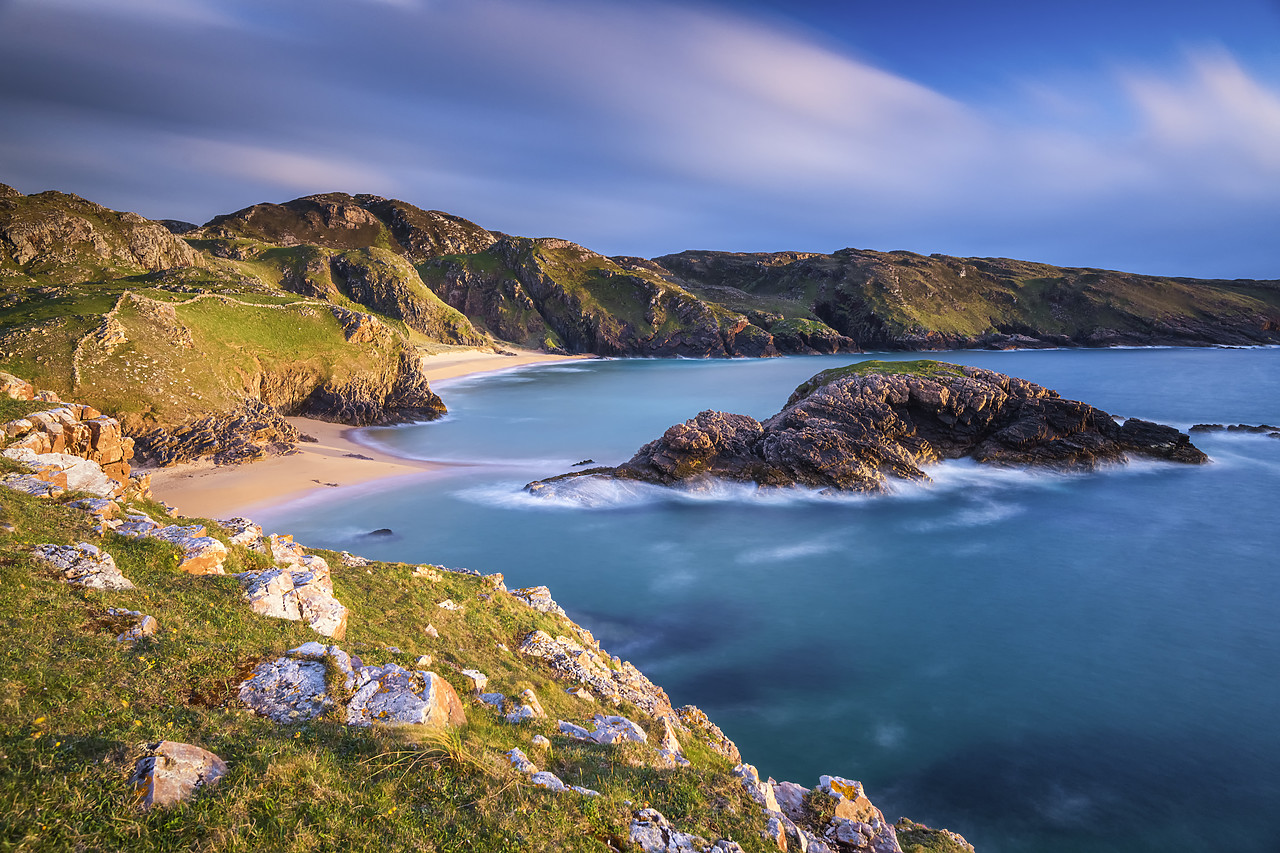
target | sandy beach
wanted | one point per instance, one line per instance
(333, 459)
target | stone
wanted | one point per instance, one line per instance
(761, 792)
(173, 772)
(541, 741)
(242, 531)
(391, 694)
(693, 719)
(201, 554)
(64, 470)
(83, 565)
(582, 693)
(288, 689)
(253, 432)
(431, 573)
(352, 561)
(650, 832)
(422, 661)
(142, 624)
(304, 592)
(449, 604)
(431, 632)
(573, 730)
(478, 680)
(851, 800)
(669, 745)
(531, 700)
(539, 598)
(583, 661)
(520, 761)
(610, 730)
(776, 832)
(497, 700)
(790, 799)
(550, 781)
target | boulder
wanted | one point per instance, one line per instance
(761, 792)
(83, 565)
(293, 688)
(539, 598)
(391, 694)
(582, 661)
(173, 772)
(610, 730)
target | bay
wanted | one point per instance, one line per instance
(1041, 662)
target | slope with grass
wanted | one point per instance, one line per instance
(79, 706)
(901, 300)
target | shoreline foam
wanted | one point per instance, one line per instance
(335, 459)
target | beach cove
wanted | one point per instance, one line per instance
(1032, 660)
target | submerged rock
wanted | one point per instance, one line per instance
(855, 428)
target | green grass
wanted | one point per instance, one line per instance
(76, 709)
(921, 367)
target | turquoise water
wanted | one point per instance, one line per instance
(1040, 662)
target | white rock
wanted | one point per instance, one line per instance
(431, 631)
(531, 700)
(244, 532)
(448, 604)
(521, 762)
(610, 730)
(548, 780)
(539, 598)
(287, 690)
(541, 741)
(478, 680)
(573, 730)
(790, 798)
(761, 792)
(83, 565)
(391, 694)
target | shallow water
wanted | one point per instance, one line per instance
(1040, 662)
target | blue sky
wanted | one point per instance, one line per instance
(1131, 135)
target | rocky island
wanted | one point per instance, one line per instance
(856, 428)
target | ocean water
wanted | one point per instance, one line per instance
(1041, 662)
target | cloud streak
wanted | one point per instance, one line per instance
(639, 128)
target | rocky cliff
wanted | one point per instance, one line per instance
(857, 428)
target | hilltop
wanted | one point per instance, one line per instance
(326, 305)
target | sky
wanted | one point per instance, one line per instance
(1141, 135)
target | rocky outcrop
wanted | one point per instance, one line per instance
(404, 397)
(388, 284)
(66, 238)
(173, 772)
(69, 428)
(295, 688)
(255, 432)
(83, 565)
(200, 554)
(856, 428)
(582, 661)
(653, 833)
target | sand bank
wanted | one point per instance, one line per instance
(334, 459)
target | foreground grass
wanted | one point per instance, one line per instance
(77, 709)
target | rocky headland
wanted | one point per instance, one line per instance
(855, 429)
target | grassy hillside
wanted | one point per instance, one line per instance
(76, 707)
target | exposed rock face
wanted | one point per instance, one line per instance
(388, 283)
(405, 397)
(255, 432)
(560, 296)
(173, 772)
(853, 428)
(69, 239)
(201, 553)
(83, 565)
(653, 833)
(69, 428)
(392, 694)
(583, 662)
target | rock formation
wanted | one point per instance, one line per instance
(173, 772)
(855, 428)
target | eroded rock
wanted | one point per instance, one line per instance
(392, 694)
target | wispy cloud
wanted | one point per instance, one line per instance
(643, 127)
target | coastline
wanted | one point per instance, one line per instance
(334, 459)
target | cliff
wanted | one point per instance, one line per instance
(855, 429)
(188, 683)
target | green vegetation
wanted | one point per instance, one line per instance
(918, 838)
(920, 367)
(76, 709)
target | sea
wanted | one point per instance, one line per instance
(1045, 662)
